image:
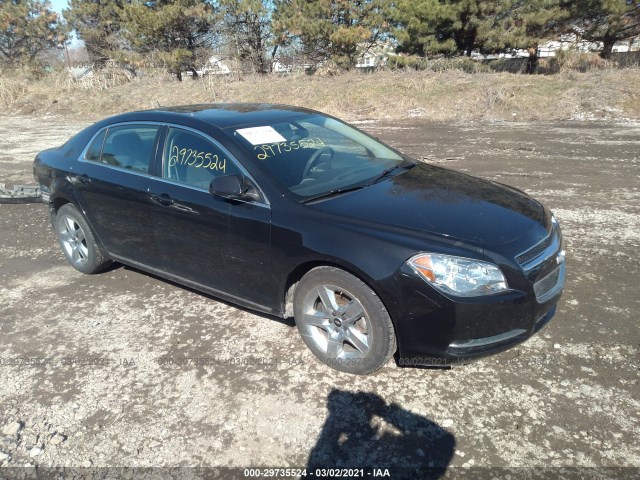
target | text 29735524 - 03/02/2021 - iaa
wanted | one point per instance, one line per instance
(289, 211)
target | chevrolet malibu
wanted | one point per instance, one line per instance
(291, 212)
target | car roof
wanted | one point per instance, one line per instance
(221, 115)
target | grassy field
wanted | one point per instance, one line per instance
(453, 96)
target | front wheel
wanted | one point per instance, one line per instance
(343, 321)
(77, 241)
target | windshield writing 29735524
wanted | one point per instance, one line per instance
(196, 159)
(273, 149)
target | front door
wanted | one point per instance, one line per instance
(203, 238)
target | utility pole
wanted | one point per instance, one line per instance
(66, 51)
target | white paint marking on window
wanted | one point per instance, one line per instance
(261, 135)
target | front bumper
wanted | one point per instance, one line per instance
(435, 330)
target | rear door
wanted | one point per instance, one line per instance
(202, 238)
(111, 181)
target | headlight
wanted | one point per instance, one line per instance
(464, 277)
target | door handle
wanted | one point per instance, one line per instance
(84, 179)
(162, 199)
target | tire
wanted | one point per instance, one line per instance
(343, 321)
(77, 241)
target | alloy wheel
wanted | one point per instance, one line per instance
(336, 322)
(73, 240)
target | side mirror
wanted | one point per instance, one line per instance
(234, 187)
(227, 186)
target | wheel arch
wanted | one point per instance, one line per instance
(58, 202)
(301, 270)
(54, 205)
(65, 198)
(61, 194)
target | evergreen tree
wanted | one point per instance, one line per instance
(247, 31)
(331, 29)
(442, 26)
(174, 29)
(97, 23)
(28, 27)
(522, 24)
(606, 21)
(463, 26)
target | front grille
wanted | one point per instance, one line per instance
(541, 251)
(534, 251)
(550, 285)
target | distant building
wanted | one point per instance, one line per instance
(215, 66)
(375, 56)
(520, 53)
(571, 41)
(565, 42)
(80, 73)
(282, 65)
(369, 60)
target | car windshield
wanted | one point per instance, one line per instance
(316, 155)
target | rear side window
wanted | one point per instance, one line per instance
(93, 152)
(129, 147)
(192, 159)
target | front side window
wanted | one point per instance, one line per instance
(192, 159)
(129, 147)
(311, 155)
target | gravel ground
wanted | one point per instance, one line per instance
(566, 398)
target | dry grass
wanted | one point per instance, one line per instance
(444, 96)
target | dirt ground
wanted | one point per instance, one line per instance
(569, 397)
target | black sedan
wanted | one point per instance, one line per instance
(294, 213)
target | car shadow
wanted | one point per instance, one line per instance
(363, 431)
(289, 321)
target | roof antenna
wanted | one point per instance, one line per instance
(158, 104)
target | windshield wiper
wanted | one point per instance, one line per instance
(334, 192)
(386, 172)
(405, 165)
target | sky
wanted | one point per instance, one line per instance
(58, 5)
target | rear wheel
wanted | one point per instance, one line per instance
(343, 321)
(77, 241)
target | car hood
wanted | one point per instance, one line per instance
(446, 203)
